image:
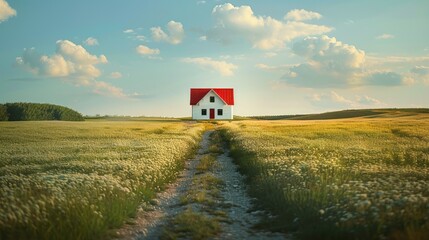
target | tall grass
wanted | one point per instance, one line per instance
(78, 180)
(338, 179)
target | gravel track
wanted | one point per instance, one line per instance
(150, 219)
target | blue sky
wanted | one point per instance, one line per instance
(281, 57)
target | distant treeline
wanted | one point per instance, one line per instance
(37, 111)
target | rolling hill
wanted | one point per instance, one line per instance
(365, 113)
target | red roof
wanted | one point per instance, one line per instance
(226, 94)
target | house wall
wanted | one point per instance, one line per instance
(206, 104)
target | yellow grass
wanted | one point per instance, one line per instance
(361, 177)
(75, 180)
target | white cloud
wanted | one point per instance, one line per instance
(72, 63)
(263, 32)
(274, 68)
(115, 75)
(264, 66)
(302, 15)
(367, 101)
(397, 60)
(333, 100)
(91, 41)
(385, 36)
(224, 68)
(203, 38)
(340, 99)
(420, 70)
(103, 88)
(144, 50)
(335, 54)
(331, 63)
(69, 60)
(421, 73)
(6, 11)
(175, 33)
(410, 67)
(201, 2)
(128, 31)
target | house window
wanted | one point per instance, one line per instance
(220, 112)
(212, 99)
(204, 112)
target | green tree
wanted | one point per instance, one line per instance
(37, 111)
(4, 116)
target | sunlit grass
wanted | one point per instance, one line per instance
(333, 179)
(206, 162)
(193, 225)
(78, 180)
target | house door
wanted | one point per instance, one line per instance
(212, 113)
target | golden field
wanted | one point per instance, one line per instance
(365, 177)
(76, 180)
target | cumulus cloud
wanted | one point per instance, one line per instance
(334, 100)
(70, 62)
(264, 32)
(91, 41)
(6, 11)
(175, 33)
(222, 67)
(115, 75)
(331, 63)
(385, 36)
(144, 50)
(421, 73)
(104, 88)
(301, 15)
(420, 70)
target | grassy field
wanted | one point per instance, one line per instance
(360, 177)
(339, 179)
(77, 180)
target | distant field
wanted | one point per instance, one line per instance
(365, 113)
(339, 179)
(75, 180)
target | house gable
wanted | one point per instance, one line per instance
(225, 94)
(218, 101)
(212, 103)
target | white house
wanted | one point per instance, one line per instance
(212, 103)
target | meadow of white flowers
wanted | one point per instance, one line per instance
(63, 180)
(366, 178)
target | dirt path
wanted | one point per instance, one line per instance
(151, 220)
(240, 214)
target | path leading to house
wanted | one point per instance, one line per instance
(208, 201)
